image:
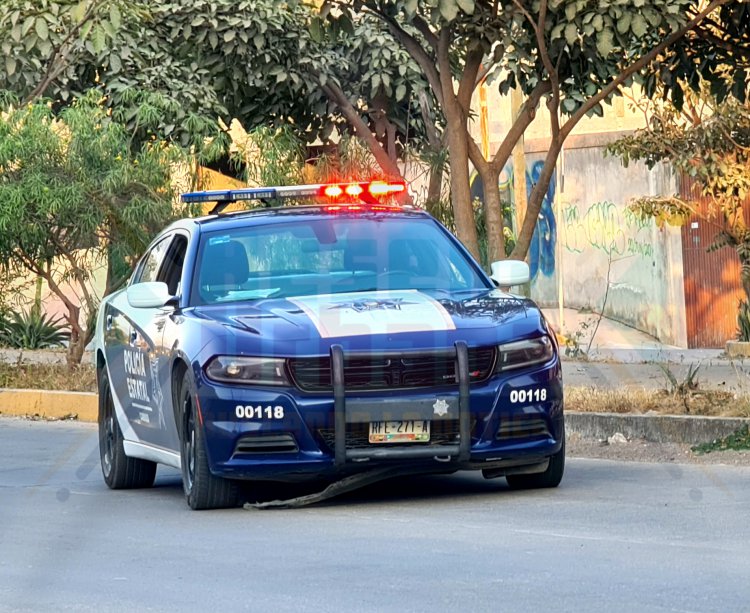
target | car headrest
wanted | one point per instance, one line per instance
(361, 254)
(224, 265)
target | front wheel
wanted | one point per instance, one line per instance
(119, 470)
(202, 489)
(549, 478)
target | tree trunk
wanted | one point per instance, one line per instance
(434, 190)
(463, 212)
(76, 349)
(77, 341)
(493, 214)
(534, 205)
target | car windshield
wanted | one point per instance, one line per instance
(329, 256)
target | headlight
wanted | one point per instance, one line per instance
(524, 353)
(253, 371)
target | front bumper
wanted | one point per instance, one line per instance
(324, 436)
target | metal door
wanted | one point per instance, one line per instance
(711, 280)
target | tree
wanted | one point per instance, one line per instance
(45, 43)
(170, 69)
(71, 193)
(278, 63)
(572, 55)
(702, 56)
(709, 141)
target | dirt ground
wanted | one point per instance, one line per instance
(644, 451)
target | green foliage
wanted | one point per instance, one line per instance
(276, 157)
(32, 330)
(44, 44)
(589, 43)
(663, 209)
(69, 181)
(574, 342)
(73, 192)
(737, 441)
(170, 69)
(349, 160)
(706, 139)
(743, 321)
(703, 56)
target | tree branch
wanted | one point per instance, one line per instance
(426, 31)
(416, 50)
(526, 115)
(337, 96)
(636, 66)
(57, 61)
(469, 80)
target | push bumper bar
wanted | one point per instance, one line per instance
(343, 410)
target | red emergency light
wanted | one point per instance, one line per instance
(370, 191)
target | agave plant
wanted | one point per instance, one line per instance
(743, 321)
(32, 330)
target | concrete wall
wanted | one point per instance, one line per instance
(586, 233)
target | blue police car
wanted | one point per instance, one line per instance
(315, 342)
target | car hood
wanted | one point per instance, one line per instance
(400, 319)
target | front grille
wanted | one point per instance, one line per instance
(365, 374)
(442, 432)
(523, 427)
(266, 443)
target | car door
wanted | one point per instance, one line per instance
(164, 322)
(132, 338)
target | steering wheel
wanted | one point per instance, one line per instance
(394, 275)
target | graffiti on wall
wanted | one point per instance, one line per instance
(607, 228)
(604, 226)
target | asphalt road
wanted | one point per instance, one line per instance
(614, 536)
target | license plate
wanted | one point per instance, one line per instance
(408, 431)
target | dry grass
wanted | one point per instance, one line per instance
(632, 400)
(49, 377)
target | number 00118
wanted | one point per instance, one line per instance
(532, 395)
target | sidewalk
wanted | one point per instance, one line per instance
(623, 356)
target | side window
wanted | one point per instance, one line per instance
(171, 269)
(151, 261)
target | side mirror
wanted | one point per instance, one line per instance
(507, 273)
(149, 295)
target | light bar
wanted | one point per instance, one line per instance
(369, 192)
(253, 193)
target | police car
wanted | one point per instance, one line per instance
(315, 342)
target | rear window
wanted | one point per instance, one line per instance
(329, 256)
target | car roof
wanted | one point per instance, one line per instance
(285, 214)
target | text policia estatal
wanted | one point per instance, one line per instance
(135, 367)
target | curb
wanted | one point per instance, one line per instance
(48, 404)
(654, 428)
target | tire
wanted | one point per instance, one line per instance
(549, 478)
(202, 489)
(120, 472)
